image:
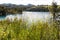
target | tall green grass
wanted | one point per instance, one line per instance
(19, 30)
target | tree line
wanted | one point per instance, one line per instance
(17, 9)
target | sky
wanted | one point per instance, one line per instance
(25, 2)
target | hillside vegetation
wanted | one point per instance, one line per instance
(13, 9)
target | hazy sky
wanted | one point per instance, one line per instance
(25, 2)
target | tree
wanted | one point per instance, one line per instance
(53, 10)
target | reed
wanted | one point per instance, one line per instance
(19, 30)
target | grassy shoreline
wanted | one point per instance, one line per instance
(18, 30)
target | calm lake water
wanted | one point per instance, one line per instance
(31, 16)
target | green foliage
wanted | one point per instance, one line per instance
(12, 10)
(19, 30)
(53, 8)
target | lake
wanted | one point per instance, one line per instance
(29, 16)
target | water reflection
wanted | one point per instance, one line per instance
(34, 16)
(2, 17)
